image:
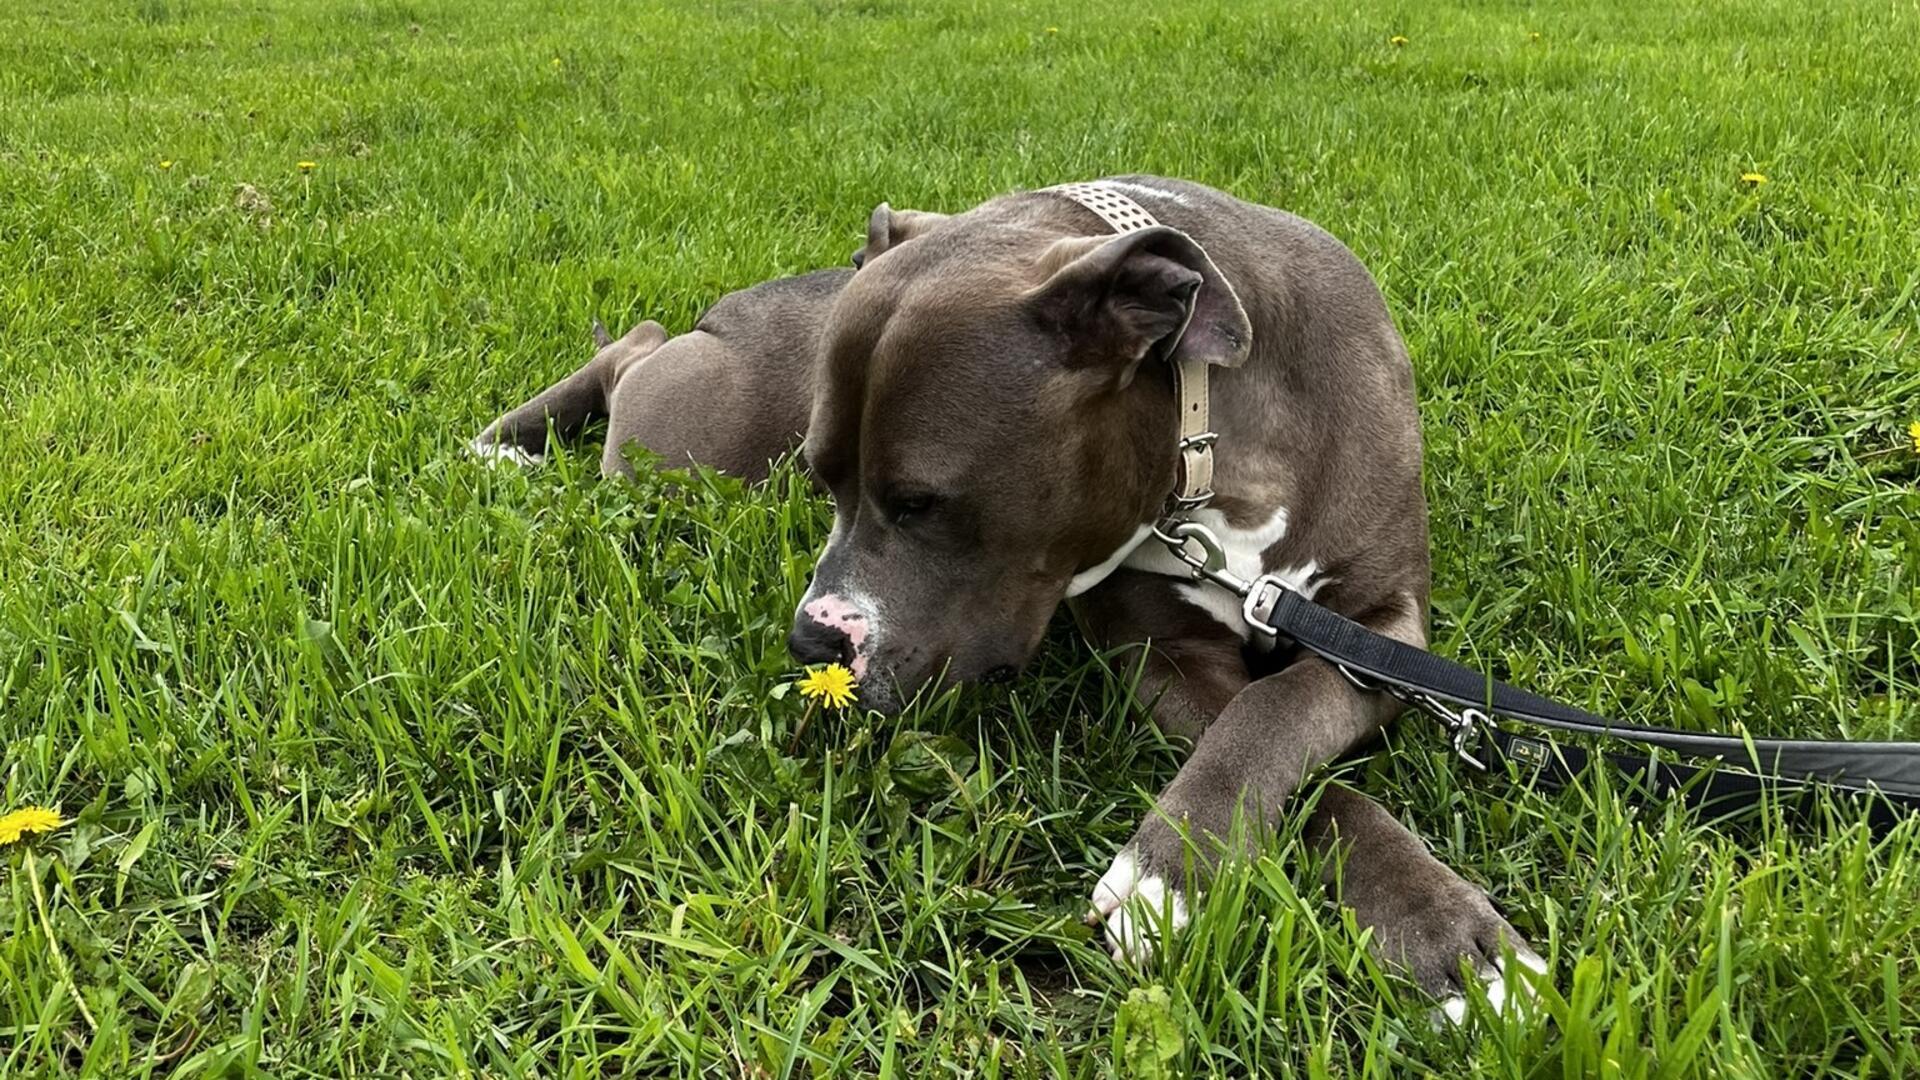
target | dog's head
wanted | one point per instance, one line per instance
(992, 418)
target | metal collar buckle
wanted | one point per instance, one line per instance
(1189, 446)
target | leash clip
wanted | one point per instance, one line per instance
(1209, 563)
(1467, 727)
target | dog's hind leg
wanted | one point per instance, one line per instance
(572, 403)
(701, 400)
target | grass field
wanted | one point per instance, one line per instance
(383, 763)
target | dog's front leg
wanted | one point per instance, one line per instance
(1424, 918)
(1268, 738)
(1252, 758)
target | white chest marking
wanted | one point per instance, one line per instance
(1243, 549)
(1094, 575)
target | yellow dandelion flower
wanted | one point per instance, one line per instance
(832, 685)
(307, 166)
(556, 61)
(1396, 41)
(167, 164)
(1913, 432)
(1053, 29)
(28, 819)
(1753, 179)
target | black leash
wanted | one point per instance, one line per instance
(1465, 701)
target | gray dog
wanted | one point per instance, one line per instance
(997, 402)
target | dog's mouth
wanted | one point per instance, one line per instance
(883, 689)
(889, 694)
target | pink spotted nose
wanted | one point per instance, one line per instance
(830, 630)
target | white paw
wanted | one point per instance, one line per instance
(1135, 910)
(1499, 993)
(494, 453)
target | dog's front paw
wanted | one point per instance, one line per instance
(1502, 983)
(1136, 906)
(1434, 928)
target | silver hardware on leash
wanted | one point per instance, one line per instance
(1464, 726)
(1196, 546)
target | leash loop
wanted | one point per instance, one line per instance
(1205, 557)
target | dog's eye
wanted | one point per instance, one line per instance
(905, 507)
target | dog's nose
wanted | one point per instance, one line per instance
(814, 642)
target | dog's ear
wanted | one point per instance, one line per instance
(1152, 293)
(601, 339)
(889, 228)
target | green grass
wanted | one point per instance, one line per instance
(384, 763)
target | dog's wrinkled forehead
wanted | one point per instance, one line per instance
(931, 345)
(954, 273)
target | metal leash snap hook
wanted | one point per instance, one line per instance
(1467, 726)
(1212, 559)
